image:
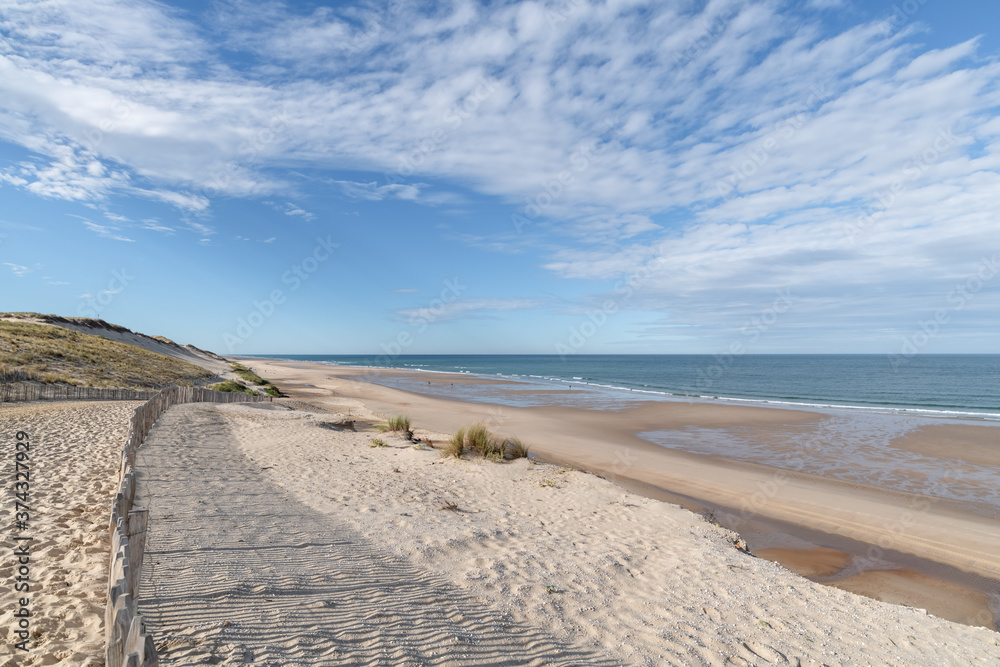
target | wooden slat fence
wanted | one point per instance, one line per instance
(19, 391)
(11, 375)
(127, 642)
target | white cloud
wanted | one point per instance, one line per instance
(292, 210)
(17, 269)
(747, 139)
(638, 117)
(199, 228)
(104, 231)
(115, 217)
(466, 309)
(183, 200)
(154, 225)
(374, 192)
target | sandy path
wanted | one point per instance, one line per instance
(240, 572)
(75, 449)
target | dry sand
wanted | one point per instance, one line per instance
(75, 449)
(276, 540)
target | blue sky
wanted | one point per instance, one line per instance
(507, 177)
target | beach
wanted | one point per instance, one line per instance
(950, 546)
(282, 537)
(295, 532)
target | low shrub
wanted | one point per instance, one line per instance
(233, 387)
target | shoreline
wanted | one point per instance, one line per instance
(929, 533)
(975, 415)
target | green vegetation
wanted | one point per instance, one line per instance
(398, 424)
(234, 387)
(56, 354)
(456, 445)
(252, 377)
(378, 442)
(516, 448)
(248, 375)
(477, 438)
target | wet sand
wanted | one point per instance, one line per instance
(956, 442)
(814, 562)
(605, 442)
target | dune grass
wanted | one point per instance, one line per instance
(269, 388)
(231, 386)
(56, 354)
(455, 446)
(248, 375)
(516, 448)
(397, 424)
(477, 438)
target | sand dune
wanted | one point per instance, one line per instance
(276, 540)
(74, 458)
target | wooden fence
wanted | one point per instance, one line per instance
(10, 375)
(17, 391)
(127, 642)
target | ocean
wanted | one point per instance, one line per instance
(948, 386)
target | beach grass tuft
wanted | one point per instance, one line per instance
(397, 424)
(456, 446)
(515, 448)
(477, 438)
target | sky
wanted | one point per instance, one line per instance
(563, 177)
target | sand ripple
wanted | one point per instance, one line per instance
(75, 449)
